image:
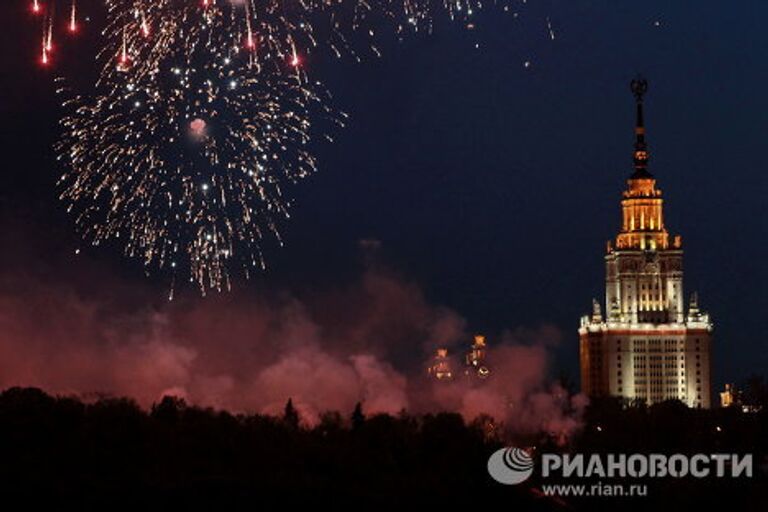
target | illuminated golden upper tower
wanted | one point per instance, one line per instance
(644, 271)
(642, 207)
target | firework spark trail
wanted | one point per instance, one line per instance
(550, 29)
(44, 45)
(187, 163)
(73, 17)
(47, 12)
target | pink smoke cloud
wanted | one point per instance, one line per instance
(356, 344)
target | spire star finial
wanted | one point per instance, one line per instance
(639, 87)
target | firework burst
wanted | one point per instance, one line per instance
(187, 163)
(202, 119)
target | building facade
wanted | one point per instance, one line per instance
(646, 345)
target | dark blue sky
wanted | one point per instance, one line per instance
(491, 184)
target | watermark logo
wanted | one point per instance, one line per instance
(510, 466)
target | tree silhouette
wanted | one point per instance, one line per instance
(291, 415)
(169, 409)
(358, 418)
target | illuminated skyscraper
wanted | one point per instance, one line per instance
(646, 346)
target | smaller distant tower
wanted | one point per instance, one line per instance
(441, 365)
(475, 359)
(728, 396)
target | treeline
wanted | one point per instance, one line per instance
(60, 446)
(112, 452)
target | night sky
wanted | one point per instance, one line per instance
(491, 184)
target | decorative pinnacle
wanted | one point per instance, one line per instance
(639, 87)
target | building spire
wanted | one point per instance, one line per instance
(639, 87)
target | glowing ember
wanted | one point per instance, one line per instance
(198, 127)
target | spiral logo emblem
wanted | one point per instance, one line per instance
(510, 466)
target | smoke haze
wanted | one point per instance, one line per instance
(367, 342)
